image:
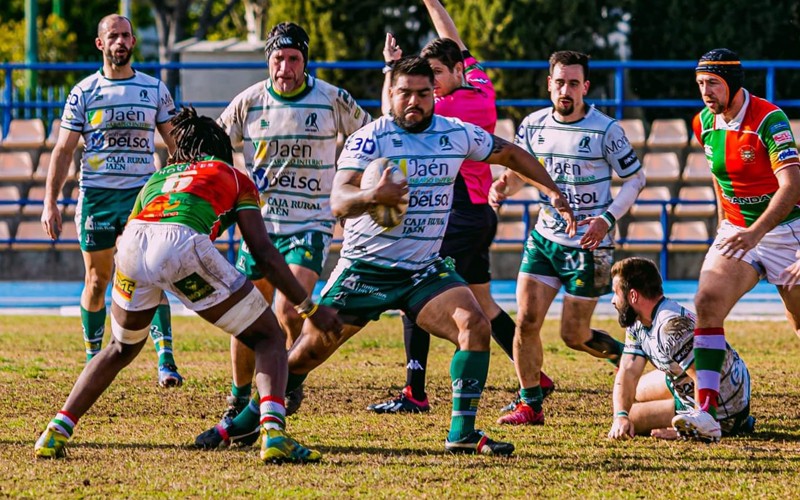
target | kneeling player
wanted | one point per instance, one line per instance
(168, 246)
(661, 331)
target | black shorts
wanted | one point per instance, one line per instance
(470, 232)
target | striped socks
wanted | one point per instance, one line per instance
(93, 324)
(709, 355)
(468, 371)
(64, 423)
(273, 413)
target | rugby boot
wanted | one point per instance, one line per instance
(477, 443)
(697, 424)
(168, 376)
(523, 414)
(404, 403)
(218, 437)
(51, 444)
(277, 447)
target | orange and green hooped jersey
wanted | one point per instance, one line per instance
(745, 159)
(205, 195)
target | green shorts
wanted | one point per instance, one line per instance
(309, 250)
(362, 291)
(101, 216)
(584, 273)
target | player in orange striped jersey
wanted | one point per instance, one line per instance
(753, 156)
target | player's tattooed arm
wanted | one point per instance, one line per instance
(500, 145)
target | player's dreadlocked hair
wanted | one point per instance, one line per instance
(197, 136)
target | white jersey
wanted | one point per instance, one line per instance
(118, 120)
(669, 345)
(431, 160)
(579, 156)
(290, 150)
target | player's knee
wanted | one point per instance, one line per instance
(474, 331)
(528, 323)
(706, 302)
(96, 283)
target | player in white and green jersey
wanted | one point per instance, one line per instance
(581, 148)
(661, 331)
(117, 111)
(289, 125)
(400, 268)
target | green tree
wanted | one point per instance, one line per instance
(519, 30)
(755, 29)
(55, 44)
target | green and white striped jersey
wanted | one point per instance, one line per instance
(118, 120)
(431, 160)
(290, 149)
(580, 157)
(669, 344)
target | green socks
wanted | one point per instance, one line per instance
(248, 419)
(94, 326)
(533, 397)
(468, 371)
(161, 333)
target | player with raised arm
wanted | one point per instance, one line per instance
(289, 124)
(753, 157)
(400, 268)
(462, 90)
(168, 246)
(580, 147)
(117, 111)
(660, 330)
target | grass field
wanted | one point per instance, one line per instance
(136, 441)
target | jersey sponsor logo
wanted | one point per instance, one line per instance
(285, 179)
(96, 140)
(782, 138)
(95, 117)
(747, 200)
(444, 143)
(426, 198)
(684, 352)
(589, 198)
(540, 140)
(166, 101)
(521, 133)
(787, 153)
(398, 143)
(143, 95)
(194, 287)
(778, 127)
(311, 123)
(747, 154)
(72, 99)
(426, 168)
(618, 145)
(116, 139)
(482, 81)
(344, 96)
(628, 160)
(585, 145)
(94, 162)
(562, 168)
(124, 286)
(263, 123)
(277, 149)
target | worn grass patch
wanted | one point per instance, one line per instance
(136, 441)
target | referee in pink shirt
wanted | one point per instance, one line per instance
(464, 91)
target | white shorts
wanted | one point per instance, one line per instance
(156, 257)
(774, 253)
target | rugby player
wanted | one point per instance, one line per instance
(117, 111)
(168, 246)
(661, 331)
(581, 148)
(753, 157)
(400, 268)
(462, 90)
(289, 124)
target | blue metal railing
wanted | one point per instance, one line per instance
(618, 101)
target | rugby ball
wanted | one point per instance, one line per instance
(383, 215)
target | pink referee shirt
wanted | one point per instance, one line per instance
(473, 103)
